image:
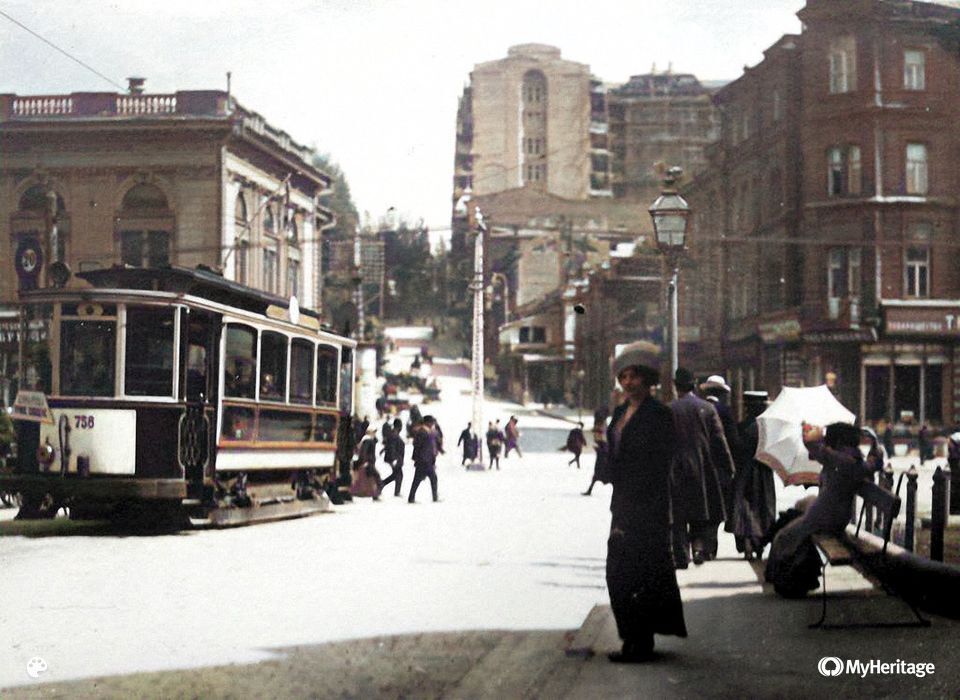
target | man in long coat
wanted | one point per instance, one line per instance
(717, 391)
(641, 577)
(755, 495)
(702, 466)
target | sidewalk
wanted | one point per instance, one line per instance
(744, 642)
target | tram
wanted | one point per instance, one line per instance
(179, 393)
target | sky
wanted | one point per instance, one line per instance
(374, 83)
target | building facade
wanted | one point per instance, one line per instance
(189, 178)
(835, 195)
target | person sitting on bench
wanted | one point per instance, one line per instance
(793, 566)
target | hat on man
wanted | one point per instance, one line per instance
(715, 381)
(642, 354)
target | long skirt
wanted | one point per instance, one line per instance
(643, 587)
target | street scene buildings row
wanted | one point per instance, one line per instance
(824, 196)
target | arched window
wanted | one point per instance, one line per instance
(269, 221)
(146, 227)
(534, 147)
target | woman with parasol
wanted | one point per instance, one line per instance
(793, 566)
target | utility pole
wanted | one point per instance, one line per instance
(478, 228)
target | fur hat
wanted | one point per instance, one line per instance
(642, 354)
(715, 381)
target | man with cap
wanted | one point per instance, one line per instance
(754, 493)
(717, 391)
(641, 578)
(701, 467)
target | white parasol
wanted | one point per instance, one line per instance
(780, 430)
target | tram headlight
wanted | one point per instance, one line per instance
(45, 455)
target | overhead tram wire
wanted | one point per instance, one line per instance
(64, 52)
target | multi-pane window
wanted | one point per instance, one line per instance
(293, 277)
(270, 269)
(844, 171)
(914, 70)
(917, 271)
(843, 65)
(916, 168)
(145, 248)
(242, 237)
(844, 273)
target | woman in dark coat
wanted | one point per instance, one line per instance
(640, 574)
(793, 566)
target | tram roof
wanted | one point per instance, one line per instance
(200, 282)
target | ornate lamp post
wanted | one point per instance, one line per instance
(671, 214)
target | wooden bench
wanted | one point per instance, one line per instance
(837, 551)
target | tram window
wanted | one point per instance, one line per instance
(273, 366)
(87, 355)
(324, 428)
(238, 424)
(284, 426)
(148, 368)
(35, 326)
(327, 375)
(301, 371)
(346, 380)
(241, 361)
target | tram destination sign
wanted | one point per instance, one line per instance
(922, 320)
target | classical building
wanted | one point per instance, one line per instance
(188, 178)
(831, 208)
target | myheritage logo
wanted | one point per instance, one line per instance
(830, 666)
(834, 666)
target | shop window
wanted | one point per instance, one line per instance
(241, 361)
(914, 70)
(916, 168)
(326, 375)
(301, 371)
(148, 365)
(933, 393)
(917, 272)
(877, 392)
(273, 366)
(906, 398)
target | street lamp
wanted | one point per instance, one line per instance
(671, 214)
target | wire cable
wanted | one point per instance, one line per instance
(65, 53)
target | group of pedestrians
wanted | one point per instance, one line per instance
(427, 439)
(496, 439)
(679, 471)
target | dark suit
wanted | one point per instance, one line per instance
(702, 466)
(641, 579)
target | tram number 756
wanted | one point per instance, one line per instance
(84, 422)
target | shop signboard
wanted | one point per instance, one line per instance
(936, 321)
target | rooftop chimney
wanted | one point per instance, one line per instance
(135, 85)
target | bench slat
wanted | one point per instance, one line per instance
(836, 552)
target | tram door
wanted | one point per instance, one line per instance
(198, 360)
